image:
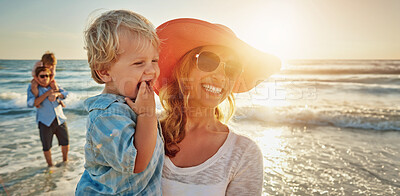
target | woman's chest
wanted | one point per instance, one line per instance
(195, 151)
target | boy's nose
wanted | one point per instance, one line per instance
(150, 69)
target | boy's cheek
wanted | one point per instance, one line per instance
(157, 72)
(129, 89)
(153, 81)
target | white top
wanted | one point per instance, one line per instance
(236, 169)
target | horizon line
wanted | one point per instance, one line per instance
(355, 59)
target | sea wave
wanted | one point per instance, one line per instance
(11, 101)
(343, 62)
(83, 88)
(338, 67)
(388, 71)
(351, 117)
(373, 79)
(373, 89)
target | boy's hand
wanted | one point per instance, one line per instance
(144, 104)
(51, 95)
(38, 64)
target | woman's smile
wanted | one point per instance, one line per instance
(211, 89)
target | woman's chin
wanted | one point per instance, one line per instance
(204, 103)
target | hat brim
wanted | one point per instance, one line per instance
(179, 36)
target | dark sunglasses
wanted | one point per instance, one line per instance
(45, 76)
(209, 61)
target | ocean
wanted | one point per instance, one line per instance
(325, 127)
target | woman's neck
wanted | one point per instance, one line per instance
(200, 118)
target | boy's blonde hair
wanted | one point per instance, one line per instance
(48, 58)
(102, 37)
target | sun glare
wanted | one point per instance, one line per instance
(277, 31)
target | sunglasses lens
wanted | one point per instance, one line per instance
(208, 61)
(233, 69)
(44, 76)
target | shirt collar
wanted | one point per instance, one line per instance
(102, 101)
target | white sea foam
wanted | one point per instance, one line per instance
(355, 118)
(74, 101)
(12, 100)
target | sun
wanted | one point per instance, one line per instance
(274, 29)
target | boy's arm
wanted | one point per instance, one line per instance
(53, 85)
(41, 98)
(146, 126)
(37, 64)
(34, 87)
(34, 84)
(30, 98)
(145, 141)
(62, 92)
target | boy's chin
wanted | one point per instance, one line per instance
(132, 97)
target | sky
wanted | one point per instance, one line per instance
(290, 29)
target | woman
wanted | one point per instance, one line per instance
(202, 64)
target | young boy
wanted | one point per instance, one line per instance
(49, 61)
(124, 150)
(49, 117)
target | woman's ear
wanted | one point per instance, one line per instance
(104, 75)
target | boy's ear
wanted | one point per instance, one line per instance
(104, 75)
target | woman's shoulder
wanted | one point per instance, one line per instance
(242, 144)
(241, 139)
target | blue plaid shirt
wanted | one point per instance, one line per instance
(110, 154)
(48, 110)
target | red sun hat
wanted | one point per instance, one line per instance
(179, 36)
